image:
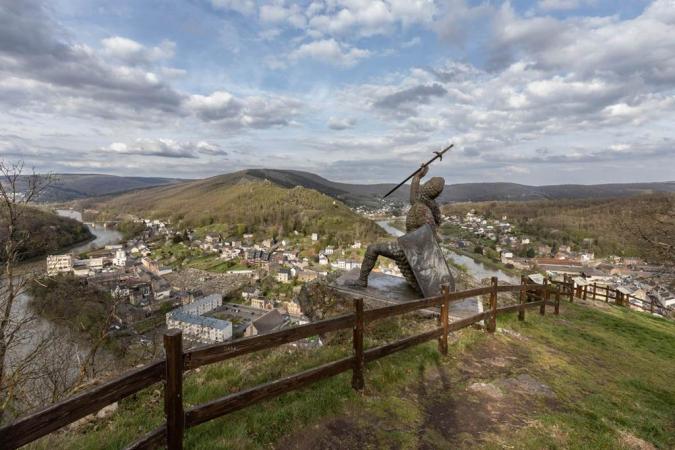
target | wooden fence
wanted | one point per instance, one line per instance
(597, 291)
(170, 370)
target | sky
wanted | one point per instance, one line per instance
(534, 92)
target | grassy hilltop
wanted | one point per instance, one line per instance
(593, 377)
(239, 205)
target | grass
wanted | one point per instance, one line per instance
(610, 372)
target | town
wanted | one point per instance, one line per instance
(258, 278)
(217, 288)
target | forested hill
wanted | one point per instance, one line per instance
(371, 194)
(241, 204)
(47, 233)
(70, 187)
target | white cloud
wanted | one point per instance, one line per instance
(132, 52)
(256, 111)
(329, 51)
(165, 148)
(245, 7)
(341, 123)
(562, 5)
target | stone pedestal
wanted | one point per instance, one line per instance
(386, 290)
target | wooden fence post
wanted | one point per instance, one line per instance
(556, 311)
(492, 323)
(445, 306)
(544, 298)
(357, 373)
(521, 300)
(173, 389)
(606, 294)
(595, 288)
(585, 292)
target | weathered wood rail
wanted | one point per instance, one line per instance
(597, 291)
(170, 370)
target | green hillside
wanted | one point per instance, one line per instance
(593, 377)
(45, 233)
(241, 205)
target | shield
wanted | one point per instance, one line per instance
(426, 260)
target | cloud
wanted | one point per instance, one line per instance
(245, 7)
(640, 48)
(414, 42)
(277, 13)
(134, 53)
(329, 51)
(257, 111)
(368, 17)
(408, 99)
(339, 124)
(30, 51)
(165, 148)
(562, 5)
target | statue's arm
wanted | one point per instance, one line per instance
(415, 185)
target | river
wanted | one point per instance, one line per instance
(103, 236)
(476, 269)
(33, 331)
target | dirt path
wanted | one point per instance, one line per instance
(464, 402)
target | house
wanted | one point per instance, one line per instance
(212, 238)
(307, 275)
(120, 259)
(292, 308)
(57, 264)
(356, 245)
(203, 305)
(266, 323)
(315, 237)
(199, 328)
(323, 260)
(161, 289)
(284, 276)
(95, 264)
(262, 303)
(329, 250)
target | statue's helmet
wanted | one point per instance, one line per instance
(433, 188)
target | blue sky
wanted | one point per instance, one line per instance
(536, 92)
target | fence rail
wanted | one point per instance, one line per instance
(170, 370)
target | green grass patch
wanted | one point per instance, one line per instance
(610, 370)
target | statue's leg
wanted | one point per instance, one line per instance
(372, 252)
(406, 270)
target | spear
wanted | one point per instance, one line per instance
(439, 155)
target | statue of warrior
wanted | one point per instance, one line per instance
(423, 210)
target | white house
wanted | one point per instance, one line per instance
(120, 259)
(59, 264)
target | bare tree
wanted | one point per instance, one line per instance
(17, 191)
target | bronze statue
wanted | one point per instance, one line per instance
(423, 210)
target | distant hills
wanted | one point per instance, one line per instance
(68, 187)
(71, 187)
(370, 194)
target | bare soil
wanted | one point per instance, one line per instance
(461, 403)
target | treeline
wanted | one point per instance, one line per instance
(74, 304)
(607, 227)
(44, 233)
